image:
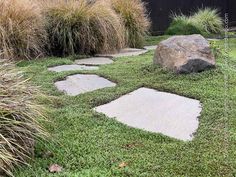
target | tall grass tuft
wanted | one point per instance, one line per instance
(135, 19)
(183, 25)
(205, 21)
(22, 33)
(110, 35)
(209, 20)
(80, 27)
(19, 118)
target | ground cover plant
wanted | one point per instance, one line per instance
(22, 33)
(89, 144)
(205, 21)
(135, 19)
(79, 27)
(19, 118)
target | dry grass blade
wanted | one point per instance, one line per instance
(19, 118)
(135, 19)
(110, 30)
(22, 33)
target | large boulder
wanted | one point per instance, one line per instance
(185, 54)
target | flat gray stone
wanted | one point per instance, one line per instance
(155, 111)
(152, 47)
(125, 53)
(82, 83)
(72, 68)
(94, 61)
(212, 39)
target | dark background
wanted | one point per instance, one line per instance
(160, 10)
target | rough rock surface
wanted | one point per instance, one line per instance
(185, 54)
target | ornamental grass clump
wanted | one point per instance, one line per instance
(208, 20)
(205, 21)
(183, 25)
(135, 20)
(80, 27)
(19, 118)
(22, 34)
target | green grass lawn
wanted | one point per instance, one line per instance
(88, 144)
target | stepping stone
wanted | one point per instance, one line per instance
(72, 68)
(155, 111)
(82, 83)
(213, 39)
(94, 61)
(125, 53)
(152, 47)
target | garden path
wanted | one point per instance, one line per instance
(172, 115)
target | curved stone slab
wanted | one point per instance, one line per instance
(125, 53)
(155, 111)
(62, 68)
(82, 83)
(94, 61)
